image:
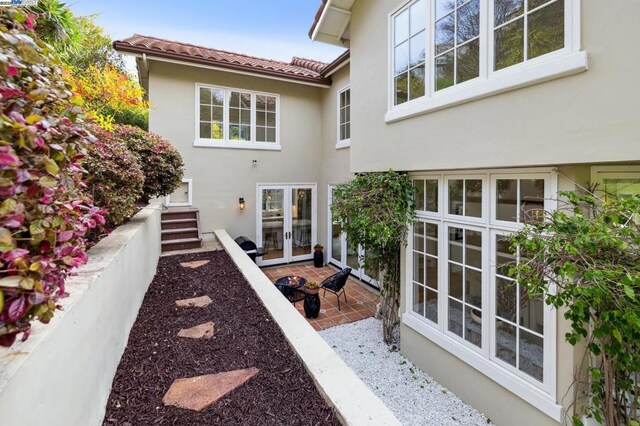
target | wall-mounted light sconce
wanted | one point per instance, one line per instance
(241, 203)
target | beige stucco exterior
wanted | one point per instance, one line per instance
(334, 167)
(222, 175)
(590, 117)
(568, 123)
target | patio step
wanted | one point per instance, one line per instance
(179, 234)
(182, 244)
(180, 229)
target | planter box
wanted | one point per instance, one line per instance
(62, 374)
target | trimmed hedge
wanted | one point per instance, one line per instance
(161, 163)
(115, 178)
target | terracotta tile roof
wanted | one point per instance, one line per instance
(300, 69)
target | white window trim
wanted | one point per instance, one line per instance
(189, 182)
(227, 143)
(542, 396)
(342, 143)
(564, 62)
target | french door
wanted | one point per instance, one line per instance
(286, 223)
(343, 255)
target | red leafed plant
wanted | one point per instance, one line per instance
(45, 212)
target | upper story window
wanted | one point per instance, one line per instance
(409, 52)
(232, 118)
(445, 52)
(344, 118)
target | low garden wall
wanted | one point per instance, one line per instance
(62, 374)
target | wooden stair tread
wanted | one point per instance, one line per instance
(182, 240)
(167, 221)
(179, 230)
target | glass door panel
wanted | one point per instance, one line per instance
(352, 259)
(302, 221)
(273, 224)
(336, 242)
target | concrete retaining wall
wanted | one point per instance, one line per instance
(62, 374)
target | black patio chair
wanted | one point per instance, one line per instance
(335, 284)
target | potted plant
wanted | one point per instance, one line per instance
(318, 256)
(311, 299)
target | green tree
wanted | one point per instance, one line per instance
(57, 26)
(375, 210)
(94, 47)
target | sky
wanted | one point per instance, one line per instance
(273, 29)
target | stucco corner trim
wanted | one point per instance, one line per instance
(514, 384)
(500, 82)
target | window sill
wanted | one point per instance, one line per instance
(346, 143)
(500, 82)
(529, 393)
(263, 146)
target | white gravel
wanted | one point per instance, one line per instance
(412, 395)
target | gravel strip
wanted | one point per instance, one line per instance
(412, 395)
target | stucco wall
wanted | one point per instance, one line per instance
(222, 175)
(62, 374)
(334, 167)
(585, 118)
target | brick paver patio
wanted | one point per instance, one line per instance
(361, 301)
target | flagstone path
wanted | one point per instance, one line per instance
(205, 351)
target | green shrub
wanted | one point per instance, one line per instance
(161, 163)
(115, 178)
(44, 212)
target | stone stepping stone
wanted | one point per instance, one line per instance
(198, 302)
(194, 265)
(198, 393)
(202, 331)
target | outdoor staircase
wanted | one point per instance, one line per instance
(180, 229)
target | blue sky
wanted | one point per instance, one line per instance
(275, 29)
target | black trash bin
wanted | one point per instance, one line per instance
(249, 247)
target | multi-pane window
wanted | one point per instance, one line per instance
(457, 41)
(344, 111)
(409, 47)
(437, 44)
(240, 116)
(458, 281)
(265, 118)
(426, 195)
(231, 116)
(519, 323)
(465, 197)
(519, 200)
(526, 29)
(464, 268)
(425, 270)
(211, 113)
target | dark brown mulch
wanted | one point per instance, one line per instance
(245, 336)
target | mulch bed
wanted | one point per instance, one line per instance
(245, 336)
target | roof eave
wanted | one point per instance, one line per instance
(332, 20)
(127, 48)
(337, 64)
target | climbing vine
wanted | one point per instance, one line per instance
(585, 260)
(376, 210)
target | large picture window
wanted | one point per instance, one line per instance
(232, 118)
(463, 48)
(458, 284)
